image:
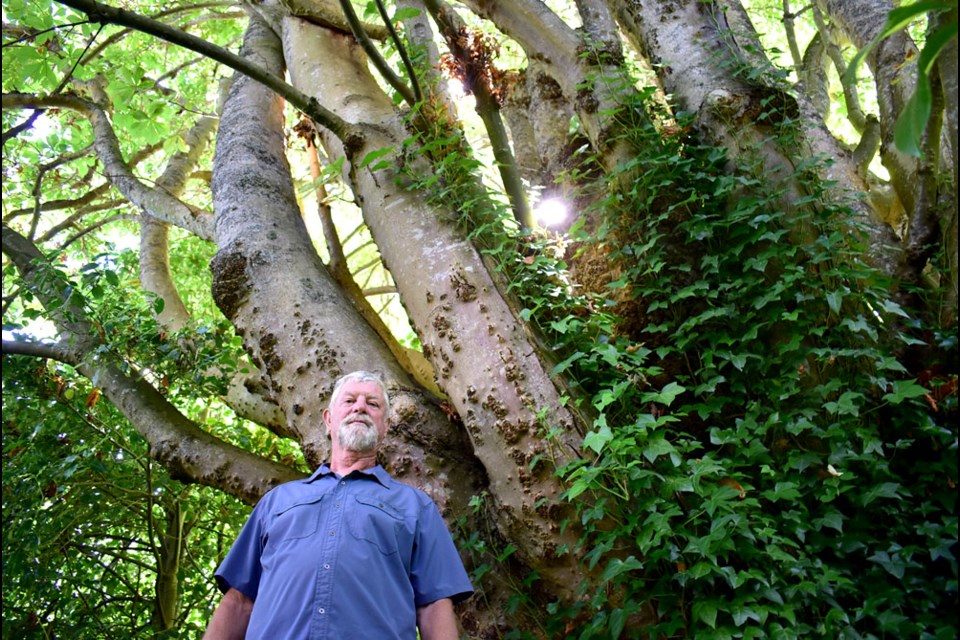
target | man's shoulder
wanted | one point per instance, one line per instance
(407, 492)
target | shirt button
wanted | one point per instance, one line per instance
(343, 483)
(321, 610)
(333, 533)
(326, 566)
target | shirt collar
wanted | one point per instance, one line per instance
(377, 473)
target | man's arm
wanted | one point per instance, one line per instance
(436, 621)
(229, 621)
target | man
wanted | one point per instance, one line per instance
(348, 552)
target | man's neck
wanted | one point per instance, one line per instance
(344, 463)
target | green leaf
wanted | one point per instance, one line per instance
(665, 396)
(374, 155)
(782, 491)
(834, 300)
(846, 404)
(507, 552)
(908, 131)
(656, 448)
(617, 566)
(617, 621)
(706, 612)
(883, 490)
(597, 440)
(832, 520)
(405, 13)
(904, 390)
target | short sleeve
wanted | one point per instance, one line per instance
(241, 568)
(436, 570)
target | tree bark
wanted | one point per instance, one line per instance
(893, 63)
(947, 67)
(484, 363)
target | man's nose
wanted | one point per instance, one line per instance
(360, 404)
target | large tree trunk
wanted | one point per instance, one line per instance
(489, 371)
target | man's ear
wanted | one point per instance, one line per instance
(327, 420)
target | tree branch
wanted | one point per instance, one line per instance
(187, 451)
(155, 201)
(98, 12)
(56, 351)
(488, 108)
(374, 55)
(116, 37)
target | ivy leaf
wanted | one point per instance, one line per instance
(597, 440)
(894, 564)
(665, 396)
(404, 13)
(656, 448)
(706, 612)
(846, 404)
(833, 520)
(904, 390)
(908, 131)
(618, 566)
(617, 621)
(782, 491)
(834, 300)
(883, 490)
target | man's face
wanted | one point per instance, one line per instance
(357, 420)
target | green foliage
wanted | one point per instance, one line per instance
(84, 506)
(762, 461)
(765, 463)
(84, 510)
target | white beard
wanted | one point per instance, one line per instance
(358, 434)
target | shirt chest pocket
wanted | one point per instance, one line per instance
(377, 523)
(294, 521)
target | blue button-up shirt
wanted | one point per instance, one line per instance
(350, 557)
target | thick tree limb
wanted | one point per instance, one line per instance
(412, 361)
(893, 63)
(851, 97)
(266, 261)
(686, 44)
(56, 351)
(155, 275)
(188, 452)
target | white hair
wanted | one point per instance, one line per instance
(361, 376)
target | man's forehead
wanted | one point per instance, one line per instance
(366, 387)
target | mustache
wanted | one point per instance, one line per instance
(360, 417)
